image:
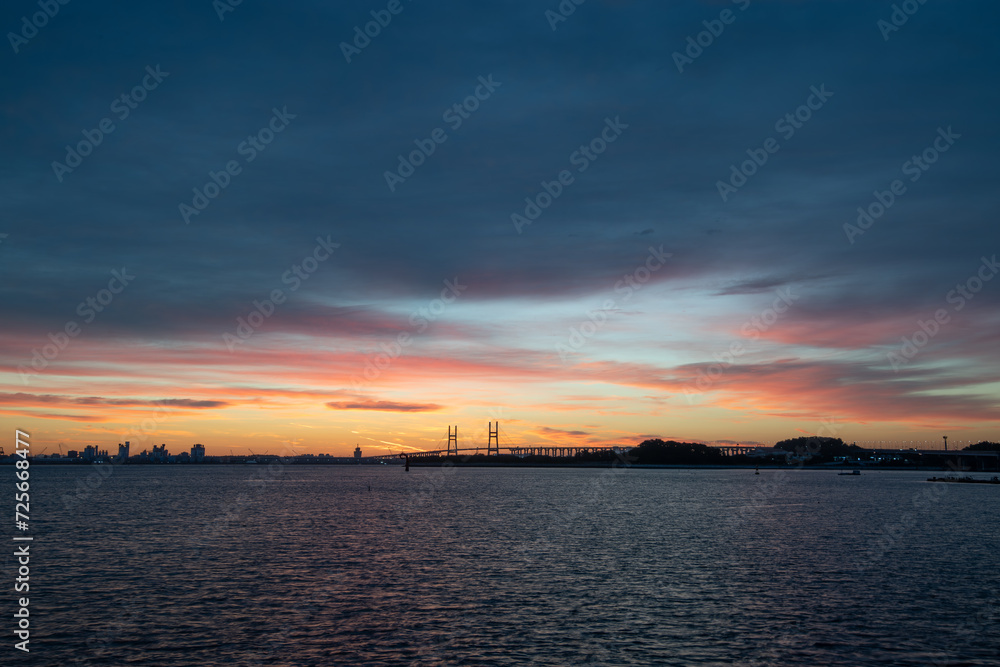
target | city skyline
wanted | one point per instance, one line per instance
(262, 228)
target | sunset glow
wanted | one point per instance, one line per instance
(564, 260)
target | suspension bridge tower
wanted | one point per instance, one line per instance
(494, 439)
(452, 438)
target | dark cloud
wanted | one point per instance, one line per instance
(22, 398)
(387, 406)
(189, 403)
(557, 431)
(324, 173)
(769, 284)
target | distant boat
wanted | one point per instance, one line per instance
(853, 473)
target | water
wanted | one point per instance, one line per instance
(297, 565)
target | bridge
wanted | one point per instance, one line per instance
(540, 450)
(567, 451)
(931, 452)
(739, 450)
(493, 447)
(980, 459)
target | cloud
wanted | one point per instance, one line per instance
(387, 406)
(766, 284)
(21, 398)
(556, 431)
(57, 415)
(189, 403)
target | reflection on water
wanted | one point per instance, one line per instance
(203, 565)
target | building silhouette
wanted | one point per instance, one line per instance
(92, 453)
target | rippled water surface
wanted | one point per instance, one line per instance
(299, 565)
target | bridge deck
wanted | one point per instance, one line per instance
(727, 450)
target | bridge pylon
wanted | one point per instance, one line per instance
(494, 439)
(452, 438)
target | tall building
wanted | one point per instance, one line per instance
(92, 453)
(198, 453)
(357, 451)
(123, 451)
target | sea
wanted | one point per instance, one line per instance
(280, 564)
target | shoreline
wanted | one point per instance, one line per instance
(534, 464)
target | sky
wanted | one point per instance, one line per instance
(305, 226)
